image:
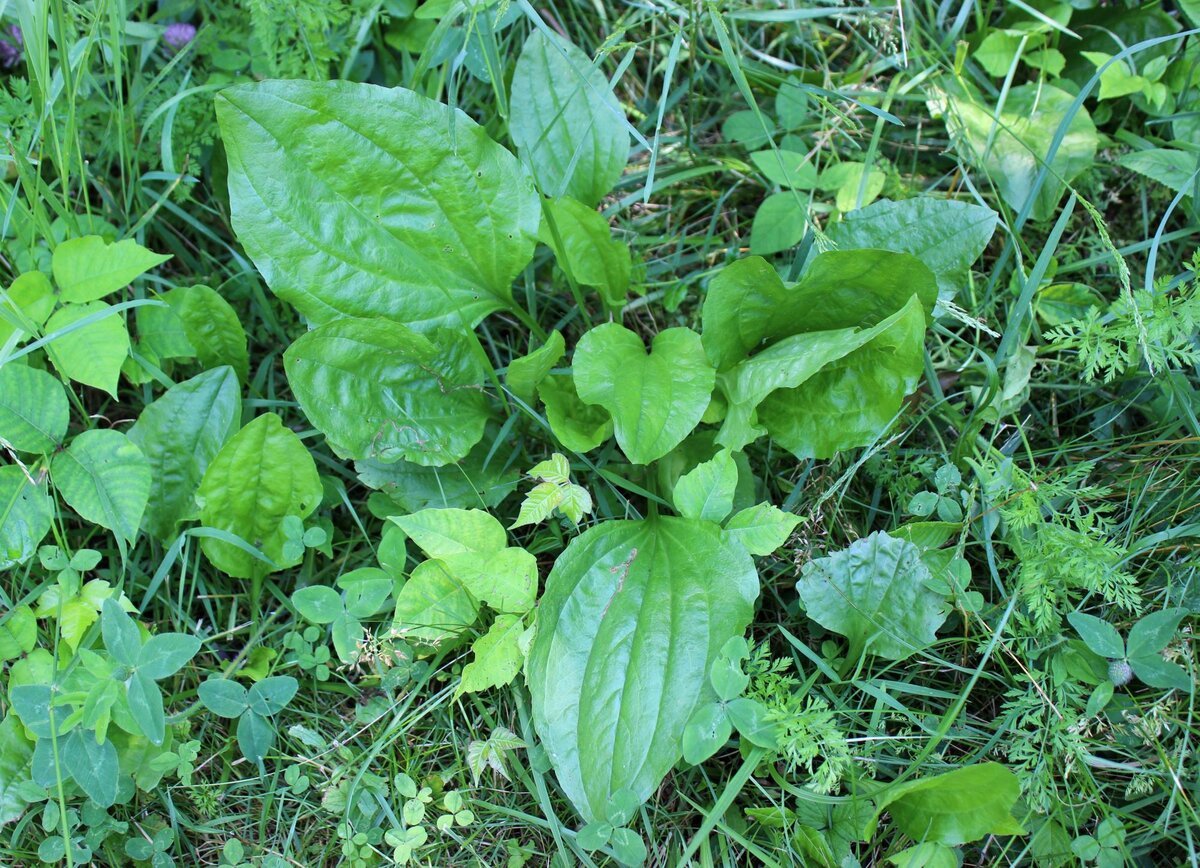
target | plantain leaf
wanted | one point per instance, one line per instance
(363, 201)
(631, 621)
(566, 121)
(180, 434)
(105, 478)
(212, 326)
(953, 808)
(378, 389)
(655, 399)
(262, 475)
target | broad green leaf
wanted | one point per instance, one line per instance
(874, 594)
(953, 808)
(565, 120)
(746, 129)
(120, 633)
(15, 754)
(18, 633)
(788, 169)
(1099, 635)
(750, 719)
(93, 766)
(255, 735)
(851, 401)
(845, 180)
(706, 492)
(271, 695)
(579, 427)
(363, 201)
(180, 434)
(741, 310)
(161, 334)
(92, 354)
(377, 389)
(469, 482)
(927, 855)
(628, 627)
(88, 268)
(655, 398)
(792, 105)
(212, 326)
(526, 373)
(25, 515)
(1152, 669)
(1013, 156)
(146, 706)
(946, 235)
(29, 302)
(998, 50)
(761, 529)
(779, 224)
(706, 732)
(319, 604)
(498, 656)
(433, 607)
(33, 409)
(588, 251)
(1172, 168)
(1153, 632)
(105, 478)
(223, 697)
(507, 580)
(1117, 80)
(262, 474)
(445, 532)
(165, 654)
(347, 633)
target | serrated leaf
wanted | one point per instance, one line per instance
(357, 201)
(377, 389)
(954, 808)
(180, 434)
(91, 354)
(262, 474)
(874, 594)
(88, 268)
(655, 398)
(566, 121)
(498, 656)
(636, 689)
(34, 412)
(105, 478)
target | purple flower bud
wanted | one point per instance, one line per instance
(179, 34)
(11, 47)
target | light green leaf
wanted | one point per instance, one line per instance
(88, 268)
(706, 732)
(845, 180)
(33, 409)
(367, 589)
(788, 169)
(526, 373)
(92, 354)
(953, 808)
(706, 491)
(579, 427)
(413, 487)
(105, 478)
(30, 300)
(15, 754)
(927, 855)
(947, 236)
(1023, 133)
(507, 580)
(442, 533)
(761, 529)
(262, 474)
(588, 251)
(25, 515)
(212, 326)
(18, 633)
(377, 389)
(319, 604)
(1171, 168)
(628, 627)
(565, 120)
(362, 201)
(779, 224)
(498, 656)
(655, 398)
(146, 706)
(998, 50)
(433, 608)
(1117, 80)
(874, 594)
(750, 719)
(180, 434)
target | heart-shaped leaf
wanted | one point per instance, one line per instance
(655, 398)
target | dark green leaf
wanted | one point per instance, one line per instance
(255, 736)
(271, 695)
(165, 654)
(318, 604)
(120, 633)
(93, 766)
(1152, 633)
(146, 706)
(1153, 670)
(1099, 635)
(223, 697)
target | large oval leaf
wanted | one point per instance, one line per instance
(25, 514)
(33, 409)
(566, 121)
(262, 475)
(655, 399)
(357, 200)
(91, 354)
(106, 479)
(633, 616)
(180, 434)
(377, 389)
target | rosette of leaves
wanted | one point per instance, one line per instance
(822, 365)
